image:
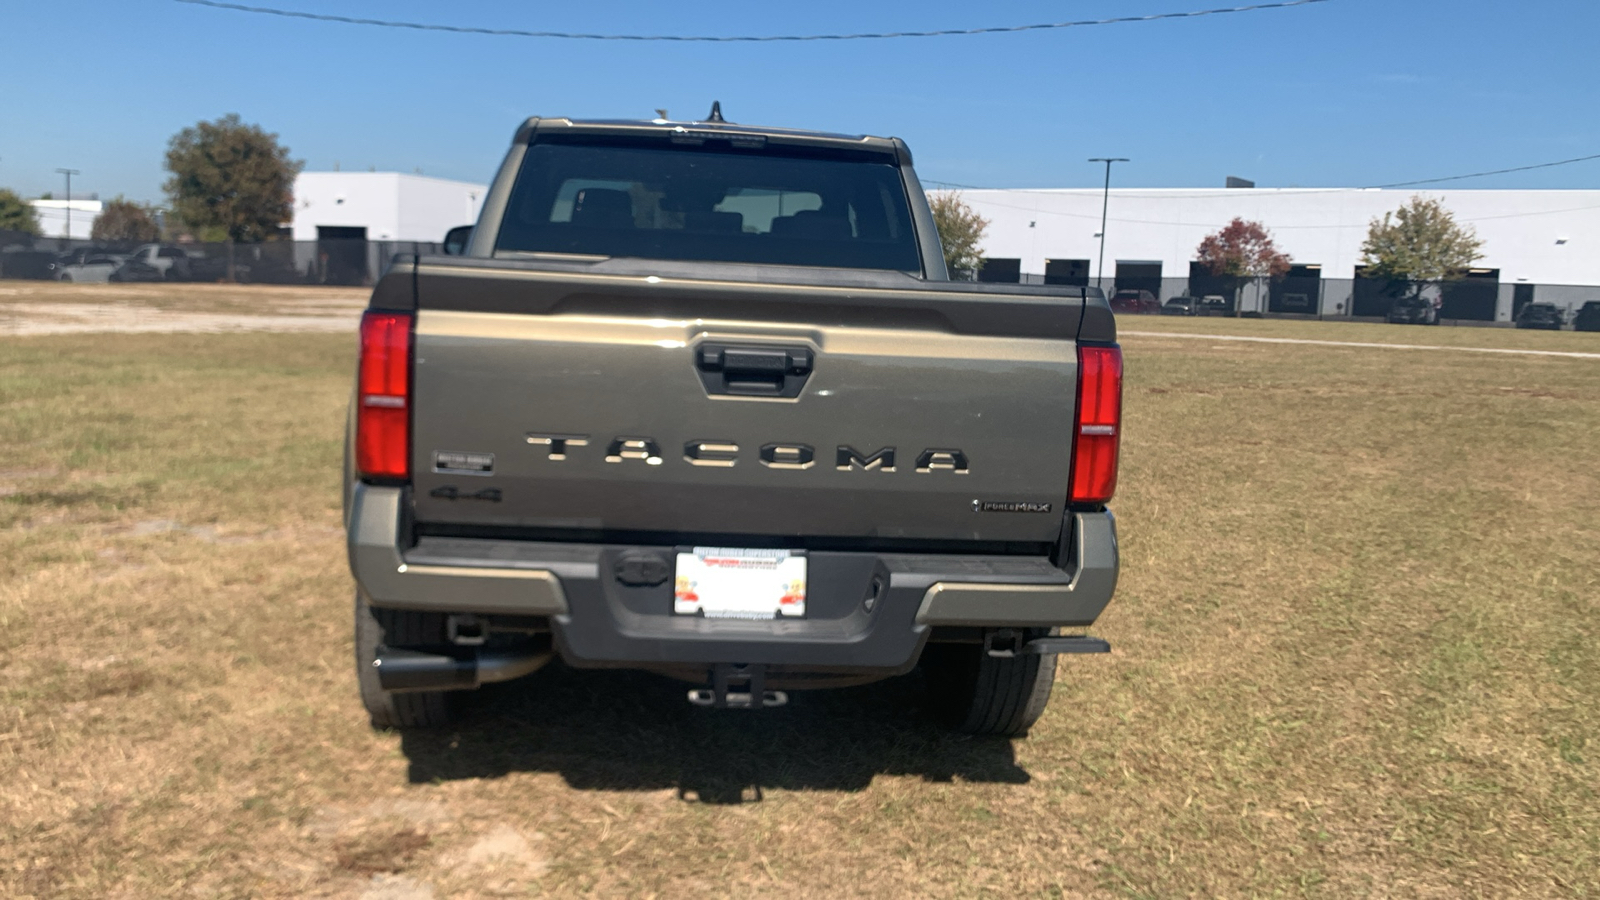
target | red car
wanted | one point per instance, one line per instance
(1132, 301)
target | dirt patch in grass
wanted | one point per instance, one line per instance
(380, 851)
(1355, 656)
(42, 308)
(186, 297)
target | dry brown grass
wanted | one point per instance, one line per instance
(1355, 656)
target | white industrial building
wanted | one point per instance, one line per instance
(346, 225)
(1542, 245)
(1537, 245)
(381, 206)
(55, 216)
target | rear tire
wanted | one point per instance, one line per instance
(387, 709)
(976, 693)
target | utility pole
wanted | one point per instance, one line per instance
(69, 173)
(1105, 202)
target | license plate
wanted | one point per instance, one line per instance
(733, 583)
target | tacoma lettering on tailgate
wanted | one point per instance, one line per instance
(721, 453)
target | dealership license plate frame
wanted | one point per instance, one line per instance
(740, 583)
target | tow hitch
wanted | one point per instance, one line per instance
(737, 687)
(1006, 643)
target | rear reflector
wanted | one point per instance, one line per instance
(383, 396)
(1099, 425)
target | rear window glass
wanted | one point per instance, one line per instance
(664, 202)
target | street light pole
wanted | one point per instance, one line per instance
(1105, 202)
(69, 173)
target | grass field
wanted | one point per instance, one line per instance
(1356, 656)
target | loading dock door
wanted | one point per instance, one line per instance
(1204, 284)
(1298, 291)
(342, 254)
(1139, 275)
(1473, 297)
(1001, 271)
(1374, 296)
(1073, 272)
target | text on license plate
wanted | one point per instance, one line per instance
(734, 583)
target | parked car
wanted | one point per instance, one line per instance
(88, 265)
(1540, 315)
(1131, 301)
(1215, 305)
(1183, 306)
(153, 262)
(23, 262)
(1588, 317)
(1413, 311)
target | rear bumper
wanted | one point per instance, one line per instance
(867, 612)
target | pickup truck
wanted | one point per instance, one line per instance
(700, 399)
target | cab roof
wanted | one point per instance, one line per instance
(691, 131)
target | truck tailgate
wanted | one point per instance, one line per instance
(598, 407)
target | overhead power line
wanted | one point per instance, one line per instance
(1287, 192)
(578, 36)
(1548, 165)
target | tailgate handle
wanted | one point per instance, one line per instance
(754, 371)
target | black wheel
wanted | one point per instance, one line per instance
(976, 693)
(374, 627)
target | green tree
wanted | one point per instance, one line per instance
(960, 232)
(1420, 243)
(16, 214)
(230, 180)
(124, 221)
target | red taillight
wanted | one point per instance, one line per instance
(1099, 426)
(383, 396)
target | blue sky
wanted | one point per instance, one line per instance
(1348, 92)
